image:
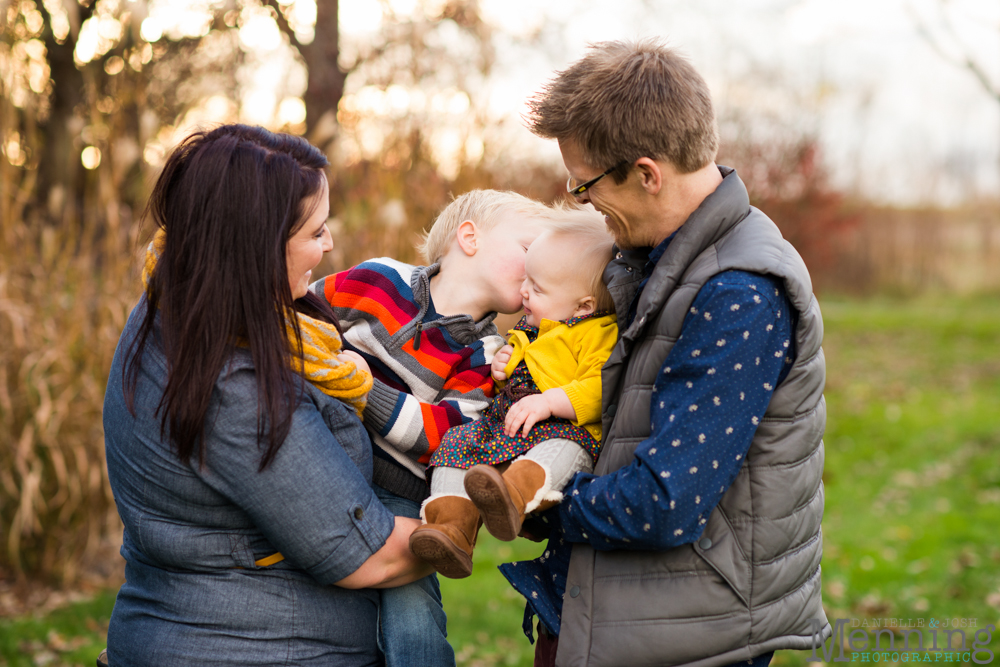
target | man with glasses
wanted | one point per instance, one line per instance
(697, 539)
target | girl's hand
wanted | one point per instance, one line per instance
(500, 360)
(532, 409)
(526, 413)
(356, 359)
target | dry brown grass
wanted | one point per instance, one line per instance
(64, 296)
(915, 251)
(66, 283)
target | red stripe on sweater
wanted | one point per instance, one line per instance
(436, 422)
(355, 295)
(431, 358)
(470, 380)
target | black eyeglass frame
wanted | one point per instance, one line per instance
(583, 187)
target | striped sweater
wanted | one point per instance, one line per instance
(431, 372)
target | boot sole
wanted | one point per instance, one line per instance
(437, 549)
(487, 489)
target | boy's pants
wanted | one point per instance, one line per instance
(412, 628)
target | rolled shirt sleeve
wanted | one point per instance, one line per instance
(312, 503)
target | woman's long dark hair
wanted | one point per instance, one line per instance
(229, 199)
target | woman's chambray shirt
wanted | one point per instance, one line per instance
(192, 533)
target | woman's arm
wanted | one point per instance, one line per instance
(313, 503)
(392, 565)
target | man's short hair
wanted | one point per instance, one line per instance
(625, 100)
(483, 207)
(584, 229)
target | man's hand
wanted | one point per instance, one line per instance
(500, 360)
(356, 359)
(526, 413)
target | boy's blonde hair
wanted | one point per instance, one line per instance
(483, 207)
(584, 228)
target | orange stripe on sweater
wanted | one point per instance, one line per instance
(372, 306)
(430, 357)
(470, 380)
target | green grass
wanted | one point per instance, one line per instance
(912, 473)
(73, 635)
(484, 612)
(912, 490)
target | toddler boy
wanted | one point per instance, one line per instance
(427, 334)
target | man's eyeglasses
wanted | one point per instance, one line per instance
(577, 190)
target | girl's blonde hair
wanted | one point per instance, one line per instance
(584, 229)
(483, 207)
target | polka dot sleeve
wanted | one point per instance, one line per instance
(736, 345)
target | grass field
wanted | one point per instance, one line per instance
(912, 494)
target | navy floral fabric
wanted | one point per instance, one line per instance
(484, 440)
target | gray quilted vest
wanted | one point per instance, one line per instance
(751, 584)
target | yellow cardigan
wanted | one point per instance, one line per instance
(569, 358)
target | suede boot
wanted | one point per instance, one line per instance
(447, 539)
(505, 499)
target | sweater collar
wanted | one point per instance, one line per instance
(462, 328)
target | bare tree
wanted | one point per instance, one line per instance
(321, 57)
(960, 53)
(80, 136)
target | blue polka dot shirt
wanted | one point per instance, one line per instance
(736, 346)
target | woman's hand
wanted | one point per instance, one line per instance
(392, 565)
(500, 360)
(356, 359)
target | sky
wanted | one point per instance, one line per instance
(898, 122)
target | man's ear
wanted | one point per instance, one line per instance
(467, 236)
(585, 306)
(650, 175)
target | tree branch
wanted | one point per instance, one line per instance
(283, 24)
(983, 78)
(965, 60)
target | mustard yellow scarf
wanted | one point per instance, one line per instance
(320, 346)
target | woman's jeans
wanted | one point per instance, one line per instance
(412, 624)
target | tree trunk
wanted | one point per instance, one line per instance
(326, 79)
(60, 173)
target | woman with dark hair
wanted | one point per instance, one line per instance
(251, 528)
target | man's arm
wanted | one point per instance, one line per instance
(713, 389)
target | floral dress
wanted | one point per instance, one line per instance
(484, 441)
